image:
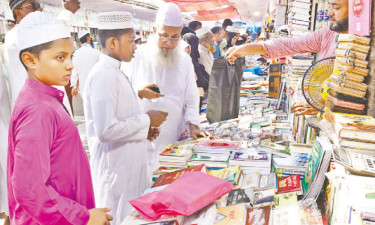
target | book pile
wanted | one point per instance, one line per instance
(322, 18)
(347, 92)
(299, 17)
(295, 164)
(298, 65)
(251, 161)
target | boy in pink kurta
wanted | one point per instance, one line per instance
(48, 173)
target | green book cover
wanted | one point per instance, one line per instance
(312, 165)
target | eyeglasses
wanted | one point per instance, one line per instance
(34, 6)
(166, 39)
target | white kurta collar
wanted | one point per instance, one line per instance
(110, 61)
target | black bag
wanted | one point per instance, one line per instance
(224, 90)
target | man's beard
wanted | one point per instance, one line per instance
(164, 58)
(340, 26)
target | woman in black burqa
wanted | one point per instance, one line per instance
(202, 75)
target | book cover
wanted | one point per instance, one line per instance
(289, 184)
(239, 196)
(355, 127)
(264, 196)
(177, 150)
(285, 199)
(258, 216)
(234, 215)
(274, 79)
(231, 174)
(230, 145)
(205, 216)
(339, 109)
(312, 166)
(170, 177)
(243, 159)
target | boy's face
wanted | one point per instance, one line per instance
(127, 47)
(54, 66)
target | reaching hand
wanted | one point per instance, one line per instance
(303, 108)
(99, 216)
(147, 93)
(195, 131)
(72, 5)
(157, 117)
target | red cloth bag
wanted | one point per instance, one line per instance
(185, 196)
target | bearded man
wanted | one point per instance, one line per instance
(163, 62)
(206, 48)
(322, 41)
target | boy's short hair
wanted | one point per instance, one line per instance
(36, 50)
(105, 34)
(216, 29)
(84, 39)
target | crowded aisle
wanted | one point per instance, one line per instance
(178, 112)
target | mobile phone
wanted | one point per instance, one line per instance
(156, 89)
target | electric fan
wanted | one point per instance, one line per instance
(313, 80)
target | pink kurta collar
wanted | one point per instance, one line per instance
(40, 87)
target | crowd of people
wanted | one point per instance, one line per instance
(137, 100)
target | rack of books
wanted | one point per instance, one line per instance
(299, 17)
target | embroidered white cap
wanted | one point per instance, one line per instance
(39, 28)
(115, 20)
(82, 33)
(169, 15)
(202, 31)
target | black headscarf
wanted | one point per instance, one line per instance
(202, 75)
(186, 30)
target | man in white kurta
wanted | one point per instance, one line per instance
(84, 59)
(206, 48)
(117, 130)
(175, 78)
(15, 70)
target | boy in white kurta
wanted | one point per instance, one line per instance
(117, 129)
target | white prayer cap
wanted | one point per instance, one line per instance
(202, 31)
(115, 21)
(169, 15)
(243, 32)
(82, 33)
(231, 29)
(39, 28)
(14, 3)
(137, 37)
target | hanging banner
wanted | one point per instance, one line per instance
(190, 6)
(229, 9)
(360, 17)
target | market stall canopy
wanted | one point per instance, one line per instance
(202, 10)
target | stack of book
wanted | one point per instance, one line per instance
(211, 160)
(295, 164)
(356, 132)
(215, 146)
(347, 91)
(175, 156)
(298, 65)
(322, 18)
(251, 162)
(299, 17)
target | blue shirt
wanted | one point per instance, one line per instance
(217, 53)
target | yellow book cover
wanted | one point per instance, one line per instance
(231, 174)
(233, 215)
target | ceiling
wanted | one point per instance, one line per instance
(249, 10)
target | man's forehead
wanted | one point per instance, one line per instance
(169, 30)
(338, 2)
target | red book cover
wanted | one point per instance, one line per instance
(289, 184)
(170, 177)
(259, 215)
